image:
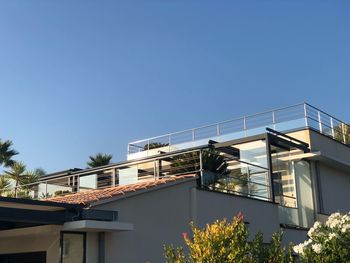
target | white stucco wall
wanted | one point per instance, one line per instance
(38, 240)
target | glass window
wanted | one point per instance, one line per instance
(73, 247)
(253, 152)
(283, 176)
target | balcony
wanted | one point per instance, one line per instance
(219, 172)
(286, 119)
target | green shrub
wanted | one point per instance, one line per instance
(225, 241)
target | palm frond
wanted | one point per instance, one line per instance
(99, 159)
(7, 153)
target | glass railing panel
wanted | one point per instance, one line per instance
(181, 137)
(289, 114)
(259, 120)
(256, 131)
(240, 179)
(290, 125)
(231, 126)
(87, 182)
(313, 123)
(206, 132)
(231, 136)
(57, 187)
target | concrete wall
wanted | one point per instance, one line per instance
(329, 147)
(35, 242)
(335, 189)
(92, 245)
(161, 216)
(261, 216)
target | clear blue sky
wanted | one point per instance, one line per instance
(81, 77)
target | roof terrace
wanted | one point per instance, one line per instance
(291, 118)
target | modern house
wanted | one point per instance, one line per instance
(283, 169)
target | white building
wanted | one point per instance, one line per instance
(282, 169)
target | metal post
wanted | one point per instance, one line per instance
(343, 131)
(306, 116)
(113, 177)
(332, 127)
(218, 129)
(169, 142)
(245, 126)
(319, 121)
(270, 168)
(273, 120)
(46, 189)
(78, 182)
(147, 147)
(155, 170)
(201, 168)
(193, 135)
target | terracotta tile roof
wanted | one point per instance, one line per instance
(91, 196)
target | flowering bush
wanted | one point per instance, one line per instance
(328, 242)
(225, 241)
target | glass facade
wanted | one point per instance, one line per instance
(247, 173)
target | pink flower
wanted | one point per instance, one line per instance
(240, 216)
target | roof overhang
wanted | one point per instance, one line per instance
(97, 226)
(20, 213)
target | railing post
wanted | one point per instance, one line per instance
(147, 147)
(332, 127)
(305, 115)
(169, 143)
(113, 177)
(319, 121)
(155, 170)
(78, 182)
(245, 126)
(201, 167)
(46, 189)
(217, 129)
(273, 120)
(343, 131)
(193, 135)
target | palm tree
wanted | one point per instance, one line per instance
(99, 159)
(4, 184)
(190, 162)
(6, 153)
(17, 173)
(29, 181)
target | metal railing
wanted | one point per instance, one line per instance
(239, 177)
(289, 118)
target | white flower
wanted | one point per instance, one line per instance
(345, 228)
(307, 242)
(317, 225)
(312, 230)
(331, 236)
(317, 248)
(299, 249)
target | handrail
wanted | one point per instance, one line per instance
(248, 122)
(216, 123)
